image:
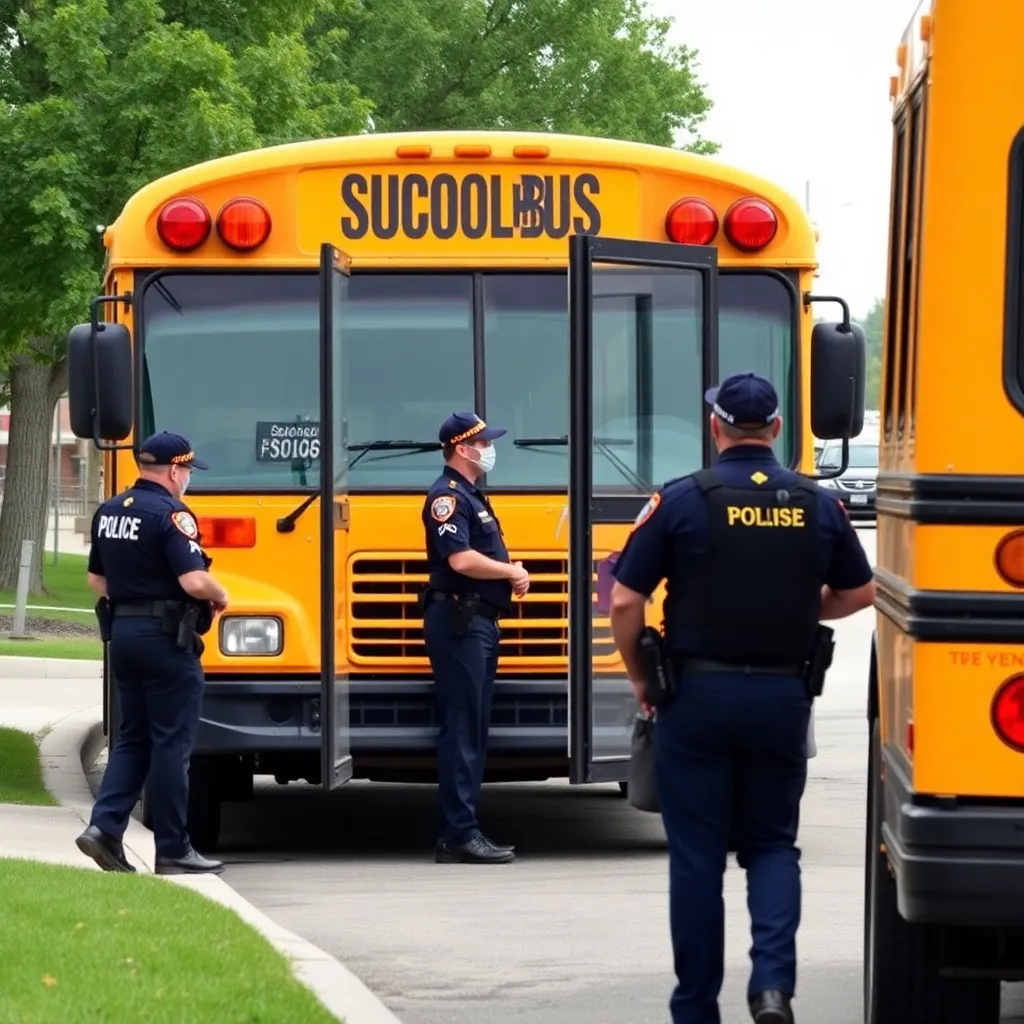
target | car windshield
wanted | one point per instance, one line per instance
(231, 360)
(862, 456)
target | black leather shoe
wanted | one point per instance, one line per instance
(474, 851)
(191, 864)
(771, 1007)
(107, 851)
(494, 846)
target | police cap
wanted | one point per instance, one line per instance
(467, 426)
(744, 400)
(167, 449)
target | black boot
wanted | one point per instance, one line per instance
(107, 851)
(771, 1007)
(191, 864)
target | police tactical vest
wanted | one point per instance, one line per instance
(753, 595)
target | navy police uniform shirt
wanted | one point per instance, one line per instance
(673, 527)
(458, 517)
(142, 540)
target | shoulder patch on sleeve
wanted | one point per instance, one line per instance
(648, 510)
(185, 523)
(443, 508)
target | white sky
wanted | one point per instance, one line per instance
(801, 93)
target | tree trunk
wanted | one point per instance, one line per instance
(35, 388)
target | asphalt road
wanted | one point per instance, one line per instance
(576, 930)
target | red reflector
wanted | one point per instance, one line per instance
(243, 224)
(750, 224)
(224, 532)
(1008, 712)
(691, 221)
(183, 224)
(910, 738)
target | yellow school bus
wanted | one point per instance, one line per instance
(309, 314)
(944, 917)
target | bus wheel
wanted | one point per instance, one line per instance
(902, 984)
(203, 803)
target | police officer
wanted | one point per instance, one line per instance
(755, 556)
(146, 561)
(471, 586)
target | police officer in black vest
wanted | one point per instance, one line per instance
(471, 586)
(755, 557)
(156, 596)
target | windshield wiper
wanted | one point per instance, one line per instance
(287, 523)
(602, 444)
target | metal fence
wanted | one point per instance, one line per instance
(70, 498)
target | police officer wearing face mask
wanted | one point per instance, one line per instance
(471, 586)
(755, 557)
(156, 595)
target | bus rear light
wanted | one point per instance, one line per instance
(691, 221)
(750, 224)
(227, 532)
(1010, 558)
(183, 224)
(1008, 712)
(413, 152)
(530, 152)
(468, 152)
(243, 224)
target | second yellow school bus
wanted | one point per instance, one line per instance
(455, 299)
(944, 885)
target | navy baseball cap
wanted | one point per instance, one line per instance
(744, 400)
(167, 449)
(467, 426)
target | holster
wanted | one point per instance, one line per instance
(104, 617)
(656, 667)
(464, 607)
(820, 660)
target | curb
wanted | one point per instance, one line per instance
(67, 752)
(13, 667)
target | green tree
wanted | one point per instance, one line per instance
(590, 67)
(872, 324)
(98, 97)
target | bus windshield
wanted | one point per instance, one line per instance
(231, 361)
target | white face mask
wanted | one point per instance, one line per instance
(487, 457)
(183, 483)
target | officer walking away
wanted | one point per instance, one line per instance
(755, 556)
(471, 586)
(156, 597)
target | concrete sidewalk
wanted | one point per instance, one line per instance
(66, 714)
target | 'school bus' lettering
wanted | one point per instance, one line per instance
(475, 206)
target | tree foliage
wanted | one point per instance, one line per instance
(872, 324)
(99, 97)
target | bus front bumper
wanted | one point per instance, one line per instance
(956, 862)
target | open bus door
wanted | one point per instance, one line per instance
(335, 746)
(601, 703)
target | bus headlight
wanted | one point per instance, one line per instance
(242, 636)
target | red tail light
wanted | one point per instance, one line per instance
(1008, 712)
(243, 224)
(750, 224)
(226, 532)
(691, 221)
(183, 224)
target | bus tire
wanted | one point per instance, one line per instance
(204, 803)
(902, 984)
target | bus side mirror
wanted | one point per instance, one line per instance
(100, 382)
(838, 370)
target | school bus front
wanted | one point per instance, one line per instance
(456, 301)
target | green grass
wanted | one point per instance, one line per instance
(64, 582)
(52, 647)
(91, 946)
(21, 775)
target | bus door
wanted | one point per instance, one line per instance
(336, 755)
(643, 286)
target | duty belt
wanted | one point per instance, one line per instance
(144, 609)
(485, 608)
(684, 663)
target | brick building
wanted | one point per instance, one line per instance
(72, 451)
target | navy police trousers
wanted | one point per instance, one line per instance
(730, 751)
(464, 668)
(160, 693)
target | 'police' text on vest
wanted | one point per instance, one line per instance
(119, 527)
(755, 515)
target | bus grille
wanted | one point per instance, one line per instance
(386, 627)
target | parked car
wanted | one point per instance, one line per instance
(857, 486)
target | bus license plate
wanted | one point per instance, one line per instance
(858, 499)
